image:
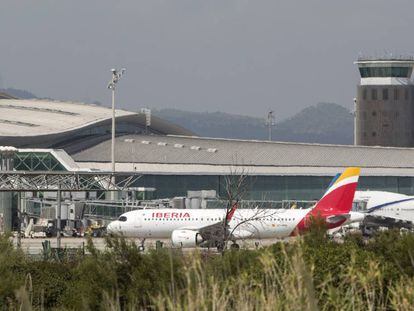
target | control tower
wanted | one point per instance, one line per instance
(384, 107)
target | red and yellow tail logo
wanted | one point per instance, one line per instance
(336, 203)
(339, 196)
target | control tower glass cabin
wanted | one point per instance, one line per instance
(384, 103)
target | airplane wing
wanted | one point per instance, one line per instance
(216, 231)
(210, 234)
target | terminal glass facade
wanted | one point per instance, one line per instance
(269, 187)
(36, 161)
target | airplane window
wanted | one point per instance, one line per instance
(122, 218)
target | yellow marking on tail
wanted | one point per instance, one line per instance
(349, 172)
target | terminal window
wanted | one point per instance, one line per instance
(396, 94)
(374, 95)
(385, 94)
(364, 94)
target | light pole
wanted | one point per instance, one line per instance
(270, 122)
(116, 76)
(355, 121)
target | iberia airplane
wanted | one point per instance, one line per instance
(205, 227)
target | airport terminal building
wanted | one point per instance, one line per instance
(68, 136)
(74, 137)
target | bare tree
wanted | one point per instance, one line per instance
(236, 188)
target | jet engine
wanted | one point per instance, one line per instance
(186, 238)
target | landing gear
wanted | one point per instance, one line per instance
(235, 246)
(220, 246)
(141, 247)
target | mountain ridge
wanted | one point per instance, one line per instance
(325, 123)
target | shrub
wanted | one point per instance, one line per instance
(309, 273)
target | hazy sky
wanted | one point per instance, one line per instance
(241, 56)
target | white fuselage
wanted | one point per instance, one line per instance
(386, 204)
(246, 223)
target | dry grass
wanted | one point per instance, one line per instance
(288, 286)
(284, 281)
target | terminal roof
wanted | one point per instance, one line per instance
(166, 153)
(41, 117)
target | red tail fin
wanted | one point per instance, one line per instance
(339, 196)
(337, 201)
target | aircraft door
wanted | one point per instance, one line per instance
(136, 223)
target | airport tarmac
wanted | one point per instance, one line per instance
(33, 246)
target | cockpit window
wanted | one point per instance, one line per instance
(122, 218)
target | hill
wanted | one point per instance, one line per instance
(19, 93)
(322, 123)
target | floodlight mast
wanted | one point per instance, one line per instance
(116, 76)
(270, 122)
